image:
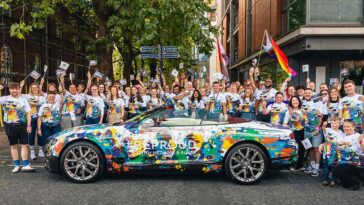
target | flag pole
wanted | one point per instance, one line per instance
(261, 48)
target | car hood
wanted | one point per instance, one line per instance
(81, 130)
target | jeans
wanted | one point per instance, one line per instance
(299, 136)
(92, 121)
(33, 134)
(349, 175)
(327, 174)
(47, 131)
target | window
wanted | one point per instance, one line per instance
(274, 72)
(353, 70)
(293, 15)
(335, 11)
(6, 63)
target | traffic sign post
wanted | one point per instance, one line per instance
(159, 52)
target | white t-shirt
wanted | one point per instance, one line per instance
(95, 106)
(333, 136)
(278, 112)
(71, 104)
(156, 102)
(34, 102)
(50, 114)
(116, 105)
(352, 109)
(15, 109)
(198, 105)
(354, 143)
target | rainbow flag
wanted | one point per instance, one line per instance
(224, 60)
(271, 46)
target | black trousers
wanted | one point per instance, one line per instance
(299, 136)
(349, 174)
(263, 118)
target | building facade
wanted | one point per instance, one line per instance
(327, 35)
(49, 46)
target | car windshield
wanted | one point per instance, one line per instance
(167, 117)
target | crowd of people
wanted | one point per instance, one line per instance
(330, 118)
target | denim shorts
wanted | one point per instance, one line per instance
(316, 141)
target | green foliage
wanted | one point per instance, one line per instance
(20, 29)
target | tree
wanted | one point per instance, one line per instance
(126, 25)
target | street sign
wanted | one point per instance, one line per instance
(149, 49)
(170, 55)
(149, 55)
(169, 49)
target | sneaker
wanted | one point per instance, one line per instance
(27, 168)
(332, 184)
(32, 155)
(16, 169)
(41, 153)
(315, 173)
(308, 169)
(325, 183)
(293, 169)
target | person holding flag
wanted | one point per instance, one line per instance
(95, 104)
(72, 106)
(35, 99)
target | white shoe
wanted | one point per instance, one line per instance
(16, 169)
(41, 153)
(32, 155)
(27, 168)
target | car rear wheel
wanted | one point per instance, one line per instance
(246, 164)
(82, 162)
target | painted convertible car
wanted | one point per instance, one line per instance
(162, 139)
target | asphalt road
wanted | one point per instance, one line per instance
(277, 187)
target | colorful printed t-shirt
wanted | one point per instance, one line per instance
(352, 109)
(116, 105)
(216, 102)
(248, 105)
(311, 119)
(156, 102)
(295, 120)
(35, 102)
(332, 110)
(15, 109)
(277, 111)
(351, 153)
(71, 104)
(50, 114)
(95, 107)
(332, 138)
(233, 101)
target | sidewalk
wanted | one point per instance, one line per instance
(5, 157)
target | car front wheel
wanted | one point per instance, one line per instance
(82, 162)
(246, 164)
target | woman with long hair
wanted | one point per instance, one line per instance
(333, 104)
(295, 120)
(248, 105)
(94, 113)
(155, 100)
(116, 105)
(196, 105)
(35, 99)
(135, 103)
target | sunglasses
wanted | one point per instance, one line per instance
(324, 94)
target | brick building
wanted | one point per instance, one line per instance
(56, 42)
(327, 35)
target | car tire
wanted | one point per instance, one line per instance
(246, 164)
(82, 162)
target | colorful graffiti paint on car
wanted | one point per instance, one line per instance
(134, 146)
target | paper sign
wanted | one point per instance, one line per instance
(156, 81)
(97, 74)
(201, 75)
(108, 83)
(93, 63)
(34, 74)
(254, 61)
(159, 70)
(72, 76)
(45, 68)
(144, 73)
(73, 116)
(204, 69)
(306, 143)
(334, 81)
(174, 73)
(132, 77)
(180, 65)
(123, 82)
(64, 66)
(305, 68)
(60, 72)
(218, 76)
(344, 72)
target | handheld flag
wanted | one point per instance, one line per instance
(64, 65)
(224, 60)
(270, 47)
(60, 72)
(35, 75)
(123, 82)
(174, 73)
(97, 74)
(93, 63)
